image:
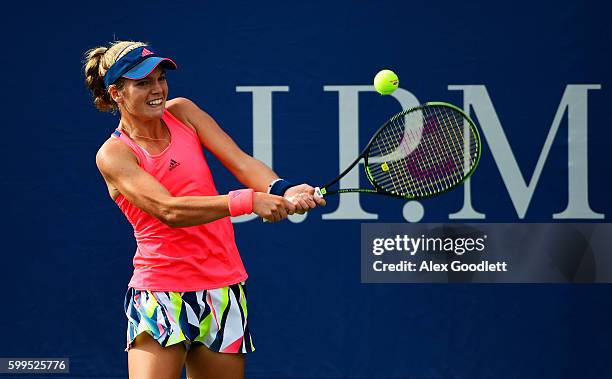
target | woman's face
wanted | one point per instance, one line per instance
(146, 98)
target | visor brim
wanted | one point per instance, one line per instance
(144, 68)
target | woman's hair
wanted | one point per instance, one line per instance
(96, 63)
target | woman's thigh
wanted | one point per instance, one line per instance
(202, 363)
(147, 359)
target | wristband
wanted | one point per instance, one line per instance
(279, 186)
(240, 202)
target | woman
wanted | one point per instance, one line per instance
(186, 301)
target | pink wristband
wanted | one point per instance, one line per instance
(240, 202)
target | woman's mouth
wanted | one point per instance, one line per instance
(155, 102)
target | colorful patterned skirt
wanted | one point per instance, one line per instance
(216, 318)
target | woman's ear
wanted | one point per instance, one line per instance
(115, 94)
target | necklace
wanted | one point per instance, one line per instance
(149, 138)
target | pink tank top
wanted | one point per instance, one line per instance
(180, 259)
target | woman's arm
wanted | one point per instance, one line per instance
(120, 168)
(248, 170)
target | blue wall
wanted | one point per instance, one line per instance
(67, 249)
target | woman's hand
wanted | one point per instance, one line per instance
(303, 197)
(271, 207)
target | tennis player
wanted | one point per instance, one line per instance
(186, 301)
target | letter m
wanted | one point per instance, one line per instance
(574, 100)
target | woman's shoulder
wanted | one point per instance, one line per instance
(183, 109)
(112, 144)
(180, 106)
(112, 149)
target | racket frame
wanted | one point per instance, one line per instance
(323, 191)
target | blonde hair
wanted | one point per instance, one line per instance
(95, 65)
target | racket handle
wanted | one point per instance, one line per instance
(318, 192)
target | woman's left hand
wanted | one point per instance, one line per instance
(303, 197)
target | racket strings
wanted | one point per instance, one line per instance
(398, 183)
(423, 152)
(446, 145)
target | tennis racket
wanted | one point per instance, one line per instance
(418, 153)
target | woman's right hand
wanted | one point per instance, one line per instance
(271, 207)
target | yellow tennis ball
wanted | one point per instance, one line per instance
(386, 82)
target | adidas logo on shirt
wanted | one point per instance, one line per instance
(173, 164)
